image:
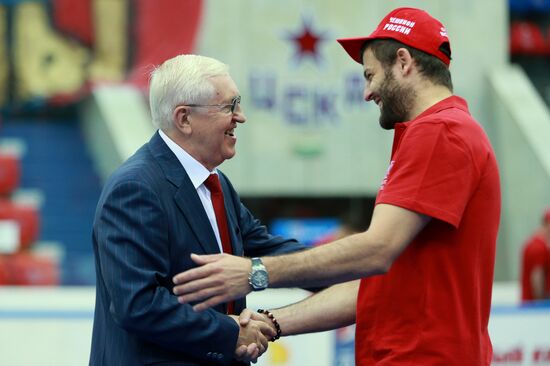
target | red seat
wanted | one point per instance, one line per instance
(23, 268)
(10, 173)
(27, 217)
(526, 38)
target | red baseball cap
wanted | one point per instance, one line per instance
(413, 27)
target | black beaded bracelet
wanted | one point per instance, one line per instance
(275, 323)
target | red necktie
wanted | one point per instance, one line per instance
(215, 188)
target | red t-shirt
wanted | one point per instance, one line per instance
(535, 254)
(432, 307)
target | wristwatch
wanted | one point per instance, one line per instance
(258, 277)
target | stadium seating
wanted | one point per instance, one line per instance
(21, 230)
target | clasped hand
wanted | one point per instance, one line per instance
(255, 330)
(222, 278)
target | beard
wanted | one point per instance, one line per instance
(397, 101)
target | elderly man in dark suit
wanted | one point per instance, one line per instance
(166, 201)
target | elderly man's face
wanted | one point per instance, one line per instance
(213, 136)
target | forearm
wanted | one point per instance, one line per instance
(347, 259)
(329, 309)
(537, 280)
(222, 277)
(356, 256)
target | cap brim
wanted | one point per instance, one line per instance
(353, 47)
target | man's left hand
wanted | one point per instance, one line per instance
(220, 278)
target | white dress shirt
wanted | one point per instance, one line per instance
(198, 175)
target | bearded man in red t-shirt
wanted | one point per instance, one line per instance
(418, 282)
(535, 265)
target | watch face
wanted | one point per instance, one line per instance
(259, 280)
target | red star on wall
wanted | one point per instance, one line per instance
(306, 41)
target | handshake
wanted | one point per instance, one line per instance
(255, 330)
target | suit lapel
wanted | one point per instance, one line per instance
(191, 206)
(186, 197)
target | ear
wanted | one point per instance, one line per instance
(404, 61)
(180, 117)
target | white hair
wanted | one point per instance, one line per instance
(183, 79)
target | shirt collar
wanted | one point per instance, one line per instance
(195, 170)
(450, 102)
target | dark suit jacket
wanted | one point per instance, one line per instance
(148, 220)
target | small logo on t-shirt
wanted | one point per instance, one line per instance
(387, 176)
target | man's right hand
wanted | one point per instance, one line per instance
(253, 339)
(219, 278)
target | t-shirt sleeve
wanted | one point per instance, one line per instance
(432, 173)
